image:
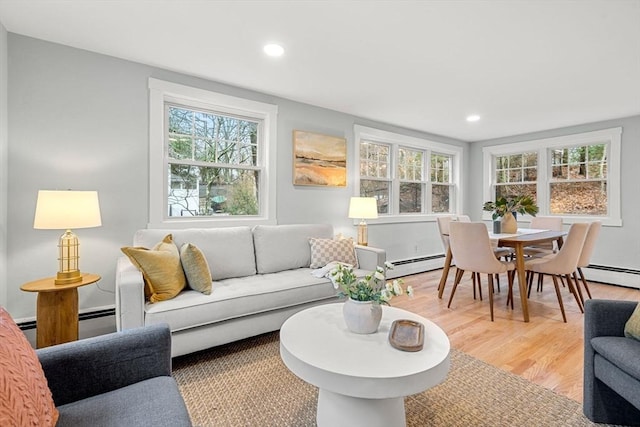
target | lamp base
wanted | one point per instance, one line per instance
(362, 234)
(66, 277)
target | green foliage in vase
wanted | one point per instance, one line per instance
(519, 204)
(372, 287)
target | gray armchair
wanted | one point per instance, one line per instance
(119, 379)
(611, 369)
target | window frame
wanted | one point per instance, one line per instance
(162, 92)
(611, 137)
(396, 141)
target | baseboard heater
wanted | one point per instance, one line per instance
(95, 314)
(618, 276)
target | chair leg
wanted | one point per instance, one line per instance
(510, 278)
(498, 282)
(584, 282)
(577, 284)
(574, 292)
(540, 282)
(459, 274)
(477, 283)
(490, 276)
(529, 280)
(555, 283)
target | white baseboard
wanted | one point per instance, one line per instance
(407, 267)
(613, 276)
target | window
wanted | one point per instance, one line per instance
(409, 177)
(516, 175)
(574, 176)
(375, 167)
(210, 157)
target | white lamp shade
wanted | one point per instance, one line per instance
(363, 208)
(63, 210)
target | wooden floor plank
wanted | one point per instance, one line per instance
(546, 350)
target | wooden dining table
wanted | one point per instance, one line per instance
(518, 241)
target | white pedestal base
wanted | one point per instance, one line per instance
(337, 410)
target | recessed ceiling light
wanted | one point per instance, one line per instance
(273, 50)
(473, 118)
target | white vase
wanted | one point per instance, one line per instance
(362, 317)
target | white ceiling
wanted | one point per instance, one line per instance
(522, 65)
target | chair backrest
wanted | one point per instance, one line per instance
(553, 223)
(566, 261)
(443, 227)
(589, 244)
(471, 248)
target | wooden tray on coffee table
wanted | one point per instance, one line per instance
(406, 335)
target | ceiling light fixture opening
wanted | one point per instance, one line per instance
(473, 118)
(274, 50)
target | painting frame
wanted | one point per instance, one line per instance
(319, 159)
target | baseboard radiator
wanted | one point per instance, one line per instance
(596, 273)
(85, 315)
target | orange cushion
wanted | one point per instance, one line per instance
(26, 398)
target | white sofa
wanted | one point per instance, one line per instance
(261, 276)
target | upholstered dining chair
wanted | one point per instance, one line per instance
(562, 264)
(471, 248)
(585, 256)
(553, 223)
(443, 227)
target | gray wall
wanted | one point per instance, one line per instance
(79, 120)
(4, 165)
(617, 246)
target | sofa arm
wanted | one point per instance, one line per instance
(129, 295)
(369, 258)
(606, 317)
(92, 366)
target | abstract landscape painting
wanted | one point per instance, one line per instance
(319, 159)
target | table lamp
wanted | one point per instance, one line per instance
(363, 208)
(64, 210)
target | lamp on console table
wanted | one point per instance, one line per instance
(64, 210)
(363, 208)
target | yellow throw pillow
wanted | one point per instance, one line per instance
(632, 327)
(26, 398)
(196, 268)
(160, 267)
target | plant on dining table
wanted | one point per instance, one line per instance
(371, 287)
(518, 204)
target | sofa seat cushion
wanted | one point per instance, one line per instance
(621, 352)
(238, 297)
(153, 402)
(617, 380)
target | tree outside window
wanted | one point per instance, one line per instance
(212, 163)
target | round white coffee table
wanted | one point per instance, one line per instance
(362, 379)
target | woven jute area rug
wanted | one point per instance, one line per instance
(246, 384)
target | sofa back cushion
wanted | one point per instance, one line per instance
(228, 251)
(285, 247)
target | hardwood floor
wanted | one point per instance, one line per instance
(546, 350)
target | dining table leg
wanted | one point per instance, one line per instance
(522, 283)
(445, 273)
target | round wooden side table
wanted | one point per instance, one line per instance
(57, 309)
